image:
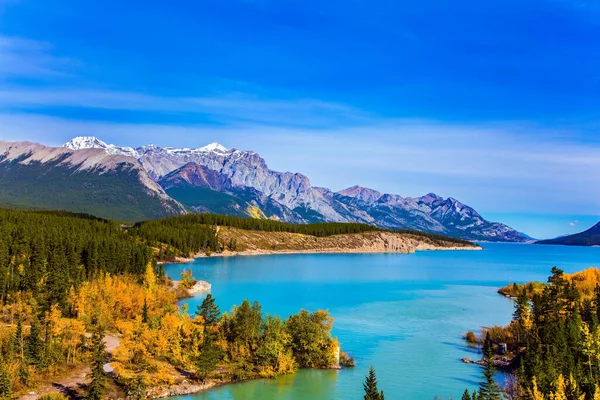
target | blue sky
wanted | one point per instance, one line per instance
(493, 103)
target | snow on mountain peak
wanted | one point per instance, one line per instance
(215, 147)
(91, 142)
(85, 142)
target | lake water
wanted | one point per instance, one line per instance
(402, 313)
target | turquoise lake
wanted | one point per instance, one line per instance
(402, 313)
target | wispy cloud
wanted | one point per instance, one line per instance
(21, 57)
(229, 108)
(26, 58)
(573, 223)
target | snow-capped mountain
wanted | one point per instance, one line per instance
(91, 178)
(291, 197)
(92, 142)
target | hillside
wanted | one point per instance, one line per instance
(91, 181)
(591, 237)
(257, 242)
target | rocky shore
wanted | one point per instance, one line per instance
(500, 362)
(181, 389)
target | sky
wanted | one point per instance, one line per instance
(496, 104)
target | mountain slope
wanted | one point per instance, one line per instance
(90, 181)
(232, 179)
(206, 190)
(590, 237)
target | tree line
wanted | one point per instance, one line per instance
(191, 233)
(265, 225)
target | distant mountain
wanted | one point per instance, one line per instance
(591, 237)
(217, 179)
(89, 180)
(430, 213)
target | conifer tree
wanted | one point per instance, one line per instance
(209, 311)
(521, 306)
(466, 395)
(488, 388)
(5, 383)
(370, 386)
(19, 348)
(33, 350)
(97, 387)
(209, 358)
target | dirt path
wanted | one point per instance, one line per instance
(73, 385)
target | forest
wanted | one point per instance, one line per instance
(190, 233)
(69, 280)
(553, 341)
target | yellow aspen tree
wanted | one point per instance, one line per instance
(589, 345)
(596, 337)
(573, 389)
(559, 386)
(150, 278)
(535, 392)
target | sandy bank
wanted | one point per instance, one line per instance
(250, 243)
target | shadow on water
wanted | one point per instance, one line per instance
(467, 382)
(464, 347)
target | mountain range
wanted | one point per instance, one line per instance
(86, 174)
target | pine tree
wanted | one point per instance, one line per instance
(489, 389)
(521, 306)
(33, 350)
(97, 387)
(5, 383)
(209, 358)
(19, 339)
(209, 311)
(370, 386)
(487, 345)
(466, 395)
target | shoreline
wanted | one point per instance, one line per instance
(247, 253)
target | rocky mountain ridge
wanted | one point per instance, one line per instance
(287, 196)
